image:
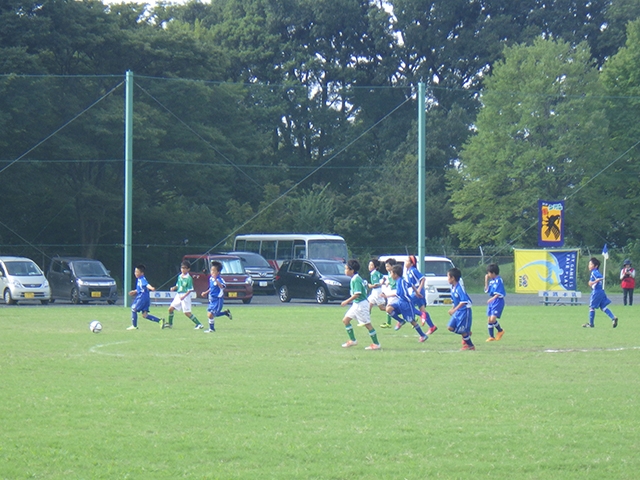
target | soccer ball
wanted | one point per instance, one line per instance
(95, 326)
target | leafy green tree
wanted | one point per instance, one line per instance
(621, 198)
(541, 134)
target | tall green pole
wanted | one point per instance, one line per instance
(128, 184)
(422, 227)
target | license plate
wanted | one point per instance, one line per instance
(29, 295)
(96, 294)
(447, 301)
(233, 294)
(262, 284)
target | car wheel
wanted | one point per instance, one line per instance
(283, 293)
(53, 300)
(44, 302)
(111, 302)
(246, 300)
(75, 296)
(321, 295)
(7, 297)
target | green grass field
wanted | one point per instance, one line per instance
(273, 395)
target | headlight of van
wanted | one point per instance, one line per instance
(432, 289)
(332, 282)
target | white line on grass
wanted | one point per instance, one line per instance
(580, 350)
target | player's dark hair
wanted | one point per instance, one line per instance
(455, 273)
(376, 263)
(216, 264)
(141, 267)
(354, 265)
(595, 261)
(397, 269)
(413, 260)
(390, 261)
(493, 268)
(186, 264)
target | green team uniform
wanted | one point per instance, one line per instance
(184, 284)
(357, 285)
(376, 277)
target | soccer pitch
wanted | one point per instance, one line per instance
(272, 394)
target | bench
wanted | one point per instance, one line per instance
(160, 297)
(560, 297)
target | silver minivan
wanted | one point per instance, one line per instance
(22, 280)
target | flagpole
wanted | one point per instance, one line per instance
(605, 256)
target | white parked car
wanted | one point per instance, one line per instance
(437, 288)
(22, 280)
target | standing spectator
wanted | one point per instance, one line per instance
(628, 281)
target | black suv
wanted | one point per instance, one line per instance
(81, 280)
(261, 272)
(323, 280)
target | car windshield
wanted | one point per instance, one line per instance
(251, 260)
(90, 269)
(330, 268)
(231, 267)
(437, 268)
(23, 268)
(331, 249)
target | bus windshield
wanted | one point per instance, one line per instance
(329, 249)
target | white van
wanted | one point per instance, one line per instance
(437, 288)
(21, 279)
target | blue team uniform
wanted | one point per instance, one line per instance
(461, 320)
(142, 301)
(598, 298)
(216, 296)
(403, 306)
(413, 277)
(496, 287)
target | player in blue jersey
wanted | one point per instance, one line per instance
(216, 297)
(418, 298)
(461, 318)
(598, 298)
(494, 286)
(402, 309)
(142, 301)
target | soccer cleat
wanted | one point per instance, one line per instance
(373, 346)
(385, 325)
(210, 330)
(491, 339)
(423, 339)
(399, 325)
(431, 330)
(168, 325)
(198, 327)
(227, 312)
(615, 322)
(587, 325)
(132, 328)
(499, 335)
(467, 347)
(350, 343)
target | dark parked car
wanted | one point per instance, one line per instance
(323, 280)
(239, 283)
(259, 269)
(81, 280)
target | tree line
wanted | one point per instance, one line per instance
(300, 115)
